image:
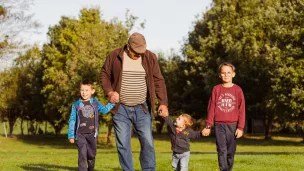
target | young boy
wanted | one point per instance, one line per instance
(226, 110)
(83, 125)
(181, 133)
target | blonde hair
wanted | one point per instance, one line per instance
(226, 64)
(188, 120)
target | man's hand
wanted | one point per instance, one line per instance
(163, 111)
(206, 132)
(238, 133)
(113, 96)
(72, 140)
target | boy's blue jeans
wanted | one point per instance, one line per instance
(142, 121)
(180, 161)
(225, 145)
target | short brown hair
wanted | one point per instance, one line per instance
(188, 120)
(87, 82)
(226, 64)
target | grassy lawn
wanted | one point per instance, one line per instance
(55, 153)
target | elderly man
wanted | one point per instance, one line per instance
(132, 79)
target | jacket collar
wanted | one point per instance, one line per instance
(81, 104)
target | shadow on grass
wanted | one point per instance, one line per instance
(47, 167)
(51, 167)
(60, 141)
(255, 153)
(248, 140)
(114, 169)
(247, 153)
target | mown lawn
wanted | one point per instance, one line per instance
(55, 153)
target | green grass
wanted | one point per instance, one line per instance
(55, 153)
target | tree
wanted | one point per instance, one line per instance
(29, 86)
(9, 106)
(264, 39)
(77, 50)
(15, 20)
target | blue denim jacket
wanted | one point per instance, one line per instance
(74, 116)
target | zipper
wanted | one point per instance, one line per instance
(95, 120)
(78, 119)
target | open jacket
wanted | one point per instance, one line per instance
(111, 76)
(74, 116)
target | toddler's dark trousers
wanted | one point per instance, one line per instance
(87, 145)
(225, 145)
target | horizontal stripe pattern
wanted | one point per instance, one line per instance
(133, 88)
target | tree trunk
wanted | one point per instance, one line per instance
(57, 127)
(12, 117)
(11, 127)
(268, 126)
(57, 131)
(45, 127)
(21, 126)
(36, 128)
(110, 126)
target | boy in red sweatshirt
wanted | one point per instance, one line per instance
(226, 110)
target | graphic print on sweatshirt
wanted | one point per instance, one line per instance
(86, 116)
(87, 111)
(226, 102)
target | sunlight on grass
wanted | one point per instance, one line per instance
(55, 153)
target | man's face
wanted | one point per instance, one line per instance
(133, 55)
(86, 91)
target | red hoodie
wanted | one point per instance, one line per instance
(226, 106)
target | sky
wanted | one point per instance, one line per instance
(167, 21)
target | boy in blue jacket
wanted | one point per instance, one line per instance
(83, 125)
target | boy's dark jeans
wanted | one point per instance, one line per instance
(87, 145)
(225, 145)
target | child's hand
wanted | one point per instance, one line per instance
(72, 140)
(206, 132)
(238, 133)
(114, 97)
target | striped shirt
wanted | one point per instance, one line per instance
(133, 86)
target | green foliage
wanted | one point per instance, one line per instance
(264, 40)
(56, 154)
(30, 85)
(15, 19)
(77, 50)
(173, 69)
(9, 105)
(21, 87)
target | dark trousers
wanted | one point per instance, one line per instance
(87, 145)
(225, 145)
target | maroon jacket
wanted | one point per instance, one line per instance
(226, 106)
(111, 76)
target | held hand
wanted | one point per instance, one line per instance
(72, 140)
(114, 96)
(163, 111)
(238, 133)
(206, 132)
